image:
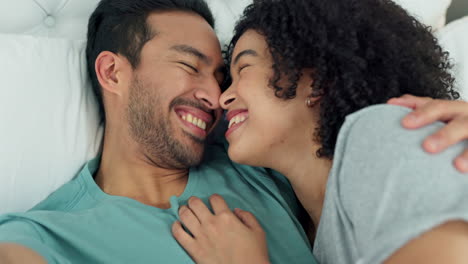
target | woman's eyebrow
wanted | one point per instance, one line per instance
(245, 53)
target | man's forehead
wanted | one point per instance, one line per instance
(179, 27)
(185, 33)
(178, 22)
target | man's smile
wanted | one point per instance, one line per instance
(196, 120)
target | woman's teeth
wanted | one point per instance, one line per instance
(236, 120)
(197, 122)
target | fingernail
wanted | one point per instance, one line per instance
(413, 119)
(462, 164)
(433, 144)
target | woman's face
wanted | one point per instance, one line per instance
(262, 127)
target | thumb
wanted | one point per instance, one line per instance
(248, 219)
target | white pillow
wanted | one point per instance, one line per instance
(49, 117)
(454, 38)
(430, 12)
(226, 14)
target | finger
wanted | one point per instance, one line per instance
(454, 132)
(218, 204)
(199, 208)
(410, 101)
(248, 219)
(461, 163)
(184, 239)
(189, 219)
(436, 110)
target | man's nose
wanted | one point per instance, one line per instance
(209, 95)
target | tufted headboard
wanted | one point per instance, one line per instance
(68, 18)
(46, 18)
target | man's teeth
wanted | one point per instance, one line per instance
(196, 121)
(236, 120)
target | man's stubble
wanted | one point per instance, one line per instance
(153, 131)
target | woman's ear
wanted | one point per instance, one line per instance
(107, 67)
(306, 85)
(312, 101)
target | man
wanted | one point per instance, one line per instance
(156, 68)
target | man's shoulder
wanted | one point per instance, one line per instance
(66, 197)
(52, 209)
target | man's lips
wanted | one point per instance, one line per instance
(198, 113)
(197, 118)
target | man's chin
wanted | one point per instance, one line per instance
(193, 159)
(194, 149)
(196, 140)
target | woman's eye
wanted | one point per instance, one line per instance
(190, 66)
(241, 68)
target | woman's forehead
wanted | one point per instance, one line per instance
(252, 41)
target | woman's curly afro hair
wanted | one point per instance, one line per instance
(362, 52)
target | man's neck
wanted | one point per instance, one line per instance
(125, 171)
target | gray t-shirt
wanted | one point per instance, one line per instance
(384, 190)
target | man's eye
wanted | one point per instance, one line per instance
(190, 66)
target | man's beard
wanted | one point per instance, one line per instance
(154, 133)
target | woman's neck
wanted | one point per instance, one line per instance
(308, 175)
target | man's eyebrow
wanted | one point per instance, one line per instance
(192, 51)
(245, 53)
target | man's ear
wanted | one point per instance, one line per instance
(108, 66)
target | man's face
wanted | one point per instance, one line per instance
(174, 91)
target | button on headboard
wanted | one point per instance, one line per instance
(69, 18)
(46, 18)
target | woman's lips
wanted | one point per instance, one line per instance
(236, 120)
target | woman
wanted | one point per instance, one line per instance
(307, 78)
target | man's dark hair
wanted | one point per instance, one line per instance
(120, 26)
(362, 52)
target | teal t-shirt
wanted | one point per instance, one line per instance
(79, 223)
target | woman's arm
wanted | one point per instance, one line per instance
(13, 253)
(447, 243)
